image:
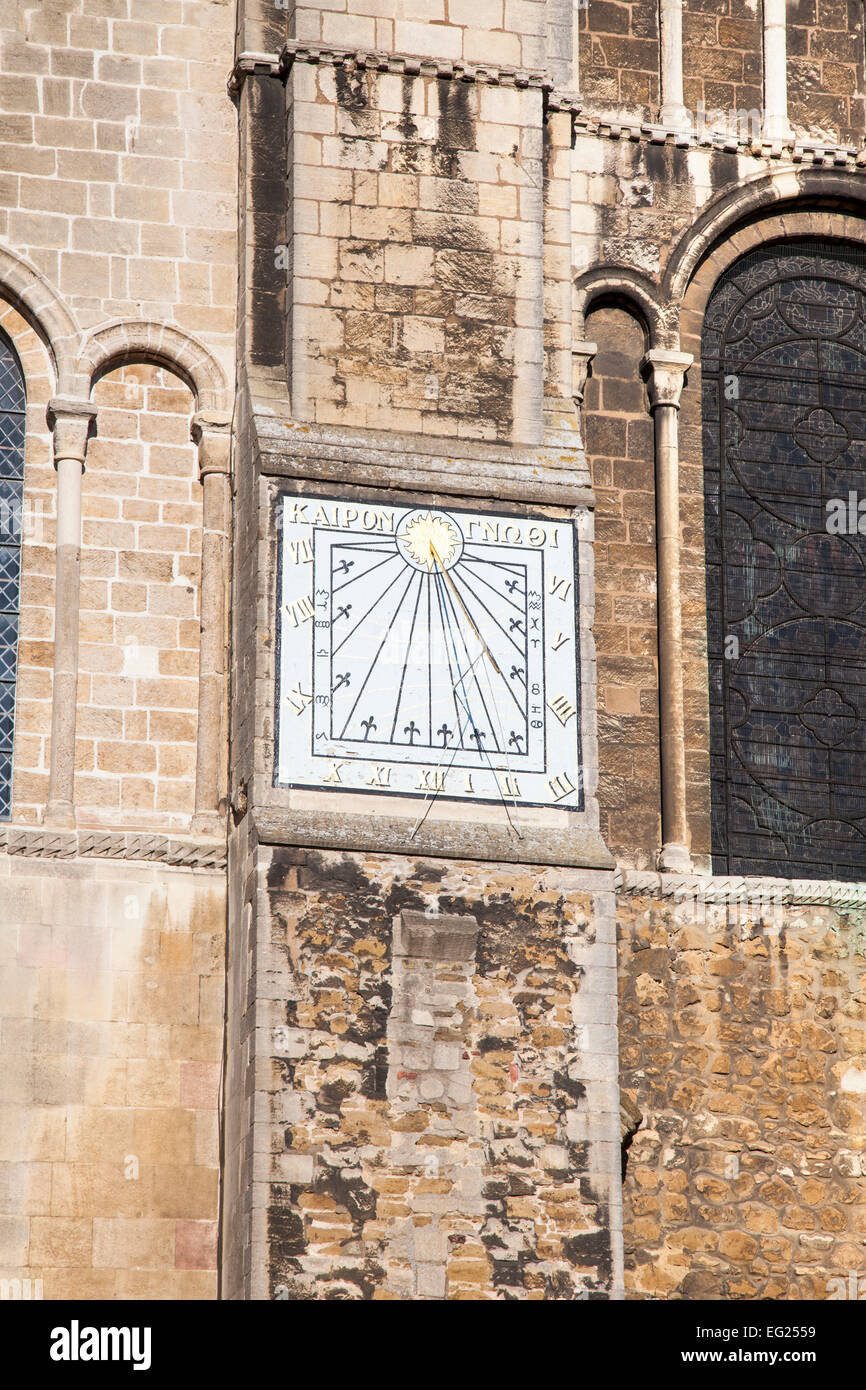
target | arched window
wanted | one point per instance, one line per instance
(11, 507)
(784, 383)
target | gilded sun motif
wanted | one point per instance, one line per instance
(429, 541)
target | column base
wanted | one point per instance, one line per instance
(776, 130)
(675, 859)
(60, 814)
(676, 117)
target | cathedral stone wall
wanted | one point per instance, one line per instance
(437, 239)
(723, 63)
(432, 1061)
(619, 46)
(111, 1008)
(118, 270)
(118, 156)
(826, 56)
(743, 1036)
(416, 253)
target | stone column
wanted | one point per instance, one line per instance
(575, 45)
(563, 57)
(776, 125)
(673, 112)
(70, 418)
(665, 372)
(558, 292)
(212, 433)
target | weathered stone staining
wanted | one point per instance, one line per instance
(432, 1077)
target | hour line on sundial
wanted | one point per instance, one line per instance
(446, 576)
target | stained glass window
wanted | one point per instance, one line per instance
(784, 410)
(11, 507)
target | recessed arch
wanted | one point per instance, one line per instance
(742, 217)
(38, 302)
(783, 370)
(138, 340)
(625, 288)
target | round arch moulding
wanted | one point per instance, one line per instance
(768, 207)
(138, 340)
(631, 290)
(30, 292)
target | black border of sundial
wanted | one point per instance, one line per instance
(281, 496)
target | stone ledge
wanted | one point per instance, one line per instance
(579, 848)
(249, 64)
(729, 888)
(817, 153)
(403, 64)
(320, 453)
(35, 842)
(411, 64)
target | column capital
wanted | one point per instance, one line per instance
(664, 372)
(582, 353)
(212, 432)
(70, 418)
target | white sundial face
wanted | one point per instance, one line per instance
(428, 652)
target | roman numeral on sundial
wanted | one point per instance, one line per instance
(563, 709)
(300, 610)
(430, 779)
(301, 552)
(299, 699)
(561, 786)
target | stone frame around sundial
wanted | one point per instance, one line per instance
(479, 826)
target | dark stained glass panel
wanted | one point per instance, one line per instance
(784, 409)
(11, 502)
